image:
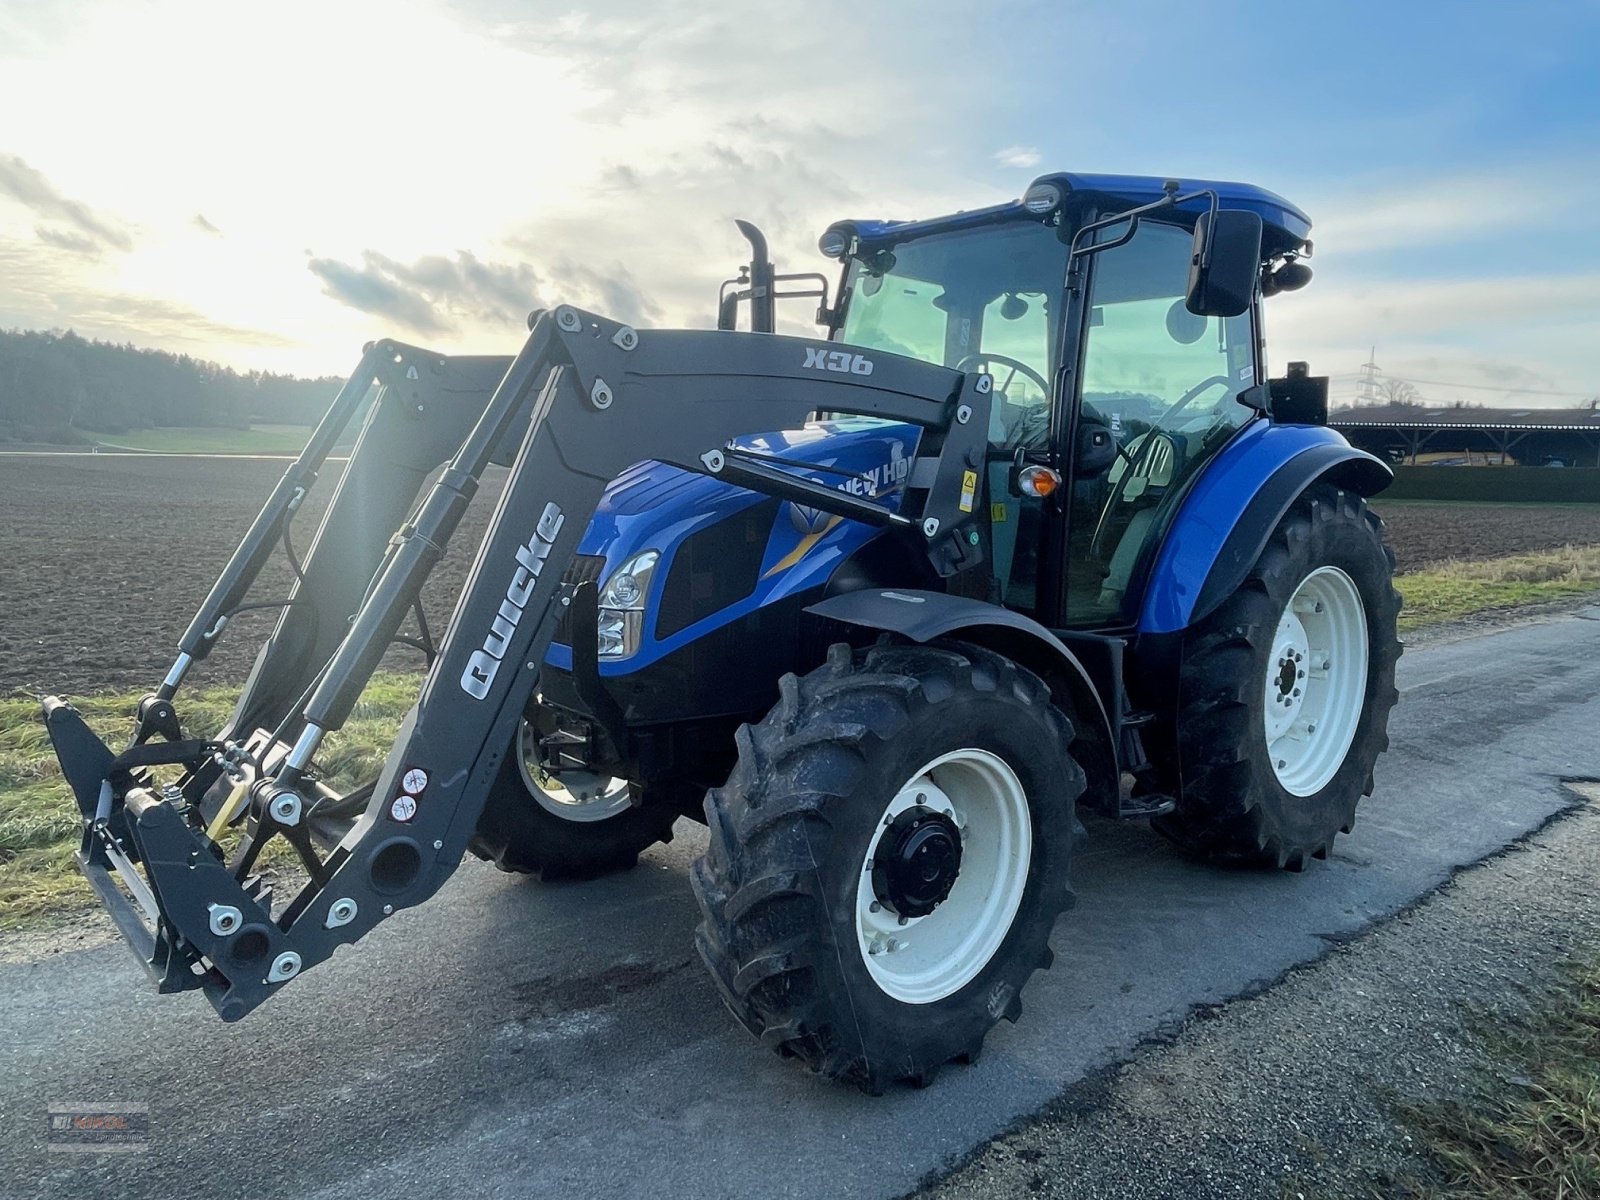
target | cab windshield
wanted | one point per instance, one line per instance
(980, 298)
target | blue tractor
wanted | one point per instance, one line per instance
(1029, 531)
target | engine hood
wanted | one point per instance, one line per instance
(782, 548)
(652, 502)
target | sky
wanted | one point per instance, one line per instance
(273, 186)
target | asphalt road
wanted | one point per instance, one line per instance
(516, 1040)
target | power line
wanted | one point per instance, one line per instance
(1477, 387)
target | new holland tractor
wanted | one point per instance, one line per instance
(1027, 532)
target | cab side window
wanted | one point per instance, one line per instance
(1166, 383)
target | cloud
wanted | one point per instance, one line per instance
(31, 189)
(163, 320)
(1017, 156)
(1510, 331)
(47, 292)
(612, 292)
(433, 294)
(204, 226)
(372, 290)
(1362, 215)
(65, 239)
(1360, 309)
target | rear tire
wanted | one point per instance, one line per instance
(929, 782)
(1285, 692)
(529, 828)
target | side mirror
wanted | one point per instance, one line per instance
(1096, 450)
(1225, 265)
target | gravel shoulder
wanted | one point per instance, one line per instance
(1290, 1092)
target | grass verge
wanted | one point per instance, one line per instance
(1458, 589)
(1530, 1125)
(39, 829)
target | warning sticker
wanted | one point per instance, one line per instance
(415, 780)
(997, 513)
(969, 490)
(403, 808)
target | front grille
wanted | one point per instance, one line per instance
(715, 567)
(585, 568)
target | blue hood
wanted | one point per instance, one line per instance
(653, 506)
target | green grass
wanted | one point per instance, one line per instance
(1457, 589)
(1530, 1126)
(39, 826)
(259, 439)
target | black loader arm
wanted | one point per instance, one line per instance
(588, 397)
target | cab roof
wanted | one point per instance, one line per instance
(1286, 227)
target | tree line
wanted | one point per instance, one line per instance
(55, 387)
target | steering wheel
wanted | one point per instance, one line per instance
(1005, 360)
(1144, 459)
(1189, 397)
(1155, 438)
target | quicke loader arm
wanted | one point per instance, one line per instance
(584, 399)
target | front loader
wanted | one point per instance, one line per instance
(1028, 531)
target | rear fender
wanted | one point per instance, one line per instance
(1227, 517)
(922, 616)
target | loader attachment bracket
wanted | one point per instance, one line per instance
(590, 398)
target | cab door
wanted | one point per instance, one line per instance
(1166, 384)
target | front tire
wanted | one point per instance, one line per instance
(578, 828)
(888, 858)
(1285, 692)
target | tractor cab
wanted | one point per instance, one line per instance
(1120, 368)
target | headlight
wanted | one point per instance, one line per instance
(622, 601)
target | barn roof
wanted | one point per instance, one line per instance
(1407, 416)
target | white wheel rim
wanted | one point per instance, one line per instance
(918, 960)
(1316, 685)
(572, 795)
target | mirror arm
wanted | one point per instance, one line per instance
(1170, 200)
(1258, 397)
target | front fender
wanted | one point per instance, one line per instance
(1227, 517)
(923, 616)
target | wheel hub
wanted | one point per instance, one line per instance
(943, 876)
(1286, 675)
(572, 795)
(916, 862)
